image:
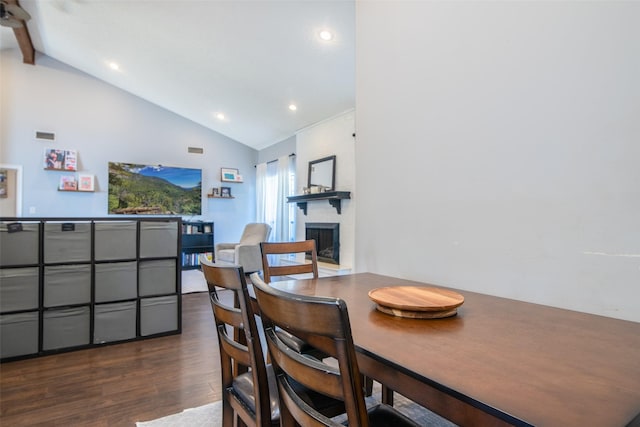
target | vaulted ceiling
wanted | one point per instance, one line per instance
(234, 66)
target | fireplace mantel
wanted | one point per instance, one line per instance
(334, 198)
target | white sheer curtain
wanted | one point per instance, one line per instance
(275, 181)
(261, 192)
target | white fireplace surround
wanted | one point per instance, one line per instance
(330, 137)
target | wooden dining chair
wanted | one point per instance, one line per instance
(272, 269)
(248, 382)
(323, 322)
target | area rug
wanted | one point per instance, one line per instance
(193, 281)
(211, 415)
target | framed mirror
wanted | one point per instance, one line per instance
(323, 172)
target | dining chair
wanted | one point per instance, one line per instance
(272, 267)
(324, 323)
(248, 382)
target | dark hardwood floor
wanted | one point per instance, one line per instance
(117, 385)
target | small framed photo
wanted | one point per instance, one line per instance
(4, 176)
(68, 183)
(86, 183)
(230, 175)
(225, 191)
(215, 192)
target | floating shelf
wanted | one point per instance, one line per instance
(334, 197)
(211, 196)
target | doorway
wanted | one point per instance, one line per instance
(10, 190)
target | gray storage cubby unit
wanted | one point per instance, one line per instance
(158, 315)
(115, 240)
(116, 281)
(67, 284)
(71, 283)
(19, 243)
(66, 327)
(156, 277)
(19, 289)
(67, 242)
(158, 239)
(19, 334)
(114, 322)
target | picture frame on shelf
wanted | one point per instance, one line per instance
(68, 183)
(215, 192)
(225, 191)
(86, 183)
(230, 175)
(60, 159)
(4, 177)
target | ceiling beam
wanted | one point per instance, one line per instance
(24, 40)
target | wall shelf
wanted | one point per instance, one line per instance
(211, 196)
(334, 197)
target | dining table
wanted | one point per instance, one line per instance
(496, 361)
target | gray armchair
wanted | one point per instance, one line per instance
(246, 252)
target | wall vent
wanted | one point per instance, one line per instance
(196, 150)
(45, 135)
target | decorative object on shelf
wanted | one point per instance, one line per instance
(322, 173)
(216, 193)
(315, 189)
(154, 189)
(68, 183)
(230, 175)
(86, 183)
(59, 159)
(4, 177)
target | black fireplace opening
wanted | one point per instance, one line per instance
(327, 237)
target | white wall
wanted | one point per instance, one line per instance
(105, 124)
(330, 137)
(498, 149)
(275, 151)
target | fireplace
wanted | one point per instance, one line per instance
(327, 237)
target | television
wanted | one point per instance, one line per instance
(154, 190)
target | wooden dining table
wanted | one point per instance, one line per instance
(498, 361)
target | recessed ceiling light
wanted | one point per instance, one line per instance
(326, 35)
(293, 107)
(114, 66)
(220, 116)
